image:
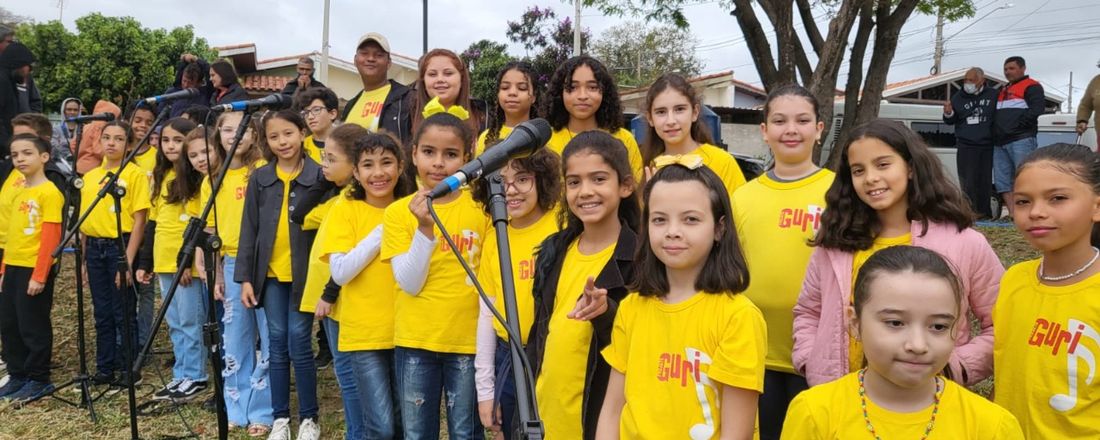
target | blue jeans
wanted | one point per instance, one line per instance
(1007, 158)
(505, 389)
(185, 316)
(422, 377)
(101, 257)
(247, 386)
(291, 339)
(145, 310)
(374, 378)
(345, 377)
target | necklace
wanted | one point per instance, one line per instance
(931, 422)
(1042, 276)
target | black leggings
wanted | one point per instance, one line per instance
(779, 389)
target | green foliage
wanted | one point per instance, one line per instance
(484, 59)
(111, 58)
(547, 40)
(637, 54)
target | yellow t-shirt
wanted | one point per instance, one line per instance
(560, 385)
(695, 347)
(522, 243)
(504, 132)
(367, 301)
(855, 348)
(447, 294)
(368, 109)
(562, 137)
(312, 149)
(229, 207)
(280, 267)
(1046, 352)
(33, 206)
(101, 222)
(774, 221)
(318, 272)
(833, 411)
(723, 164)
(147, 160)
(172, 219)
(11, 188)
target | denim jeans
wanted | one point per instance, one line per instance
(345, 377)
(374, 379)
(422, 377)
(145, 310)
(505, 389)
(247, 385)
(185, 316)
(1007, 158)
(101, 257)
(291, 343)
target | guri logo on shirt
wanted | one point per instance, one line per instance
(239, 192)
(673, 366)
(526, 269)
(32, 211)
(1073, 338)
(801, 218)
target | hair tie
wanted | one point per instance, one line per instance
(689, 161)
(434, 107)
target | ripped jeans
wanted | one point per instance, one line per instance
(247, 386)
(422, 377)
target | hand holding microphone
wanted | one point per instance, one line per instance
(525, 139)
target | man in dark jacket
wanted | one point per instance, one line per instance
(971, 112)
(1015, 124)
(383, 104)
(15, 69)
(304, 80)
(191, 72)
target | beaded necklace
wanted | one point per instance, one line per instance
(931, 422)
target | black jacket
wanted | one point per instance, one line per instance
(292, 85)
(615, 276)
(973, 117)
(258, 228)
(235, 93)
(9, 107)
(396, 116)
(1019, 105)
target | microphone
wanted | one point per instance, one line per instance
(182, 94)
(108, 117)
(275, 100)
(525, 139)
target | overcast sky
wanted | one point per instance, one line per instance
(1055, 36)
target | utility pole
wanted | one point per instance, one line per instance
(1069, 103)
(324, 46)
(425, 28)
(576, 27)
(937, 57)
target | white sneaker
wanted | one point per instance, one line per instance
(308, 430)
(280, 430)
(4, 380)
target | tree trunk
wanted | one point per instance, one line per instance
(780, 14)
(855, 80)
(823, 82)
(886, 44)
(757, 42)
(812, 32)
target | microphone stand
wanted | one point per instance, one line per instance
(123, 270)
(82, 380)
(195, 236)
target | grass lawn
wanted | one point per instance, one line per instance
(49, 418)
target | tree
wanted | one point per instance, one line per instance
(789, 61)
(548, 42)
(112, 58)
(485, 59)
(9, 19)
(637, 54)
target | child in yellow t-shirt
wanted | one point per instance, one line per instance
(582, 96)
(581, 275)
(101, 245)
(687, 349)
(672, 112)
(349, 242)
(272, 264)
(436, 306)
(906, 311)
(241, 326)
(532, 187)
(176, 200)
(1048, 314)
(777, 214)
(26, 278)
(319, 107)
(516, 94)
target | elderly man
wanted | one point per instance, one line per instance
(1015, 124)
(304, 80)
(971, 112)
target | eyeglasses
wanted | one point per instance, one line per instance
(522, 183)
(313, 111)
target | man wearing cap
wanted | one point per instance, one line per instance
(384, 104)
(15, 69)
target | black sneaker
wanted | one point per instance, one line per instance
(121, 381)
(169, 389)
(210, 404)
(33, 390)
(13, 386)
(103, 378)
(323, 359)
(188, 389)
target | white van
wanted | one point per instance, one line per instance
(1061, 127)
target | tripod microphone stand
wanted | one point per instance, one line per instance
(195, 236)
(123, 270)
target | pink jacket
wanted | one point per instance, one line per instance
(821, 330)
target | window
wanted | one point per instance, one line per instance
(935, 134)
(1045, 138)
